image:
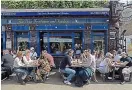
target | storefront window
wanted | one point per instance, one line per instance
(22, 40)
(59, 45)
(22, 43)
(99, 43)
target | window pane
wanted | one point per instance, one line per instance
(22, 43)
(99, 43)
(60, 44)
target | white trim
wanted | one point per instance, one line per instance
(55, 10)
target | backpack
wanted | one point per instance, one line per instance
(86, 74)
(79, 81)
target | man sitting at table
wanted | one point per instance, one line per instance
(125, 61)
(63, 67)
(88, 62)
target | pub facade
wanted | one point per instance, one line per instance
(55, 30)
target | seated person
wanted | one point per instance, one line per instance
(117, 56)
(43, 68)
(28, 62)
(19, 69)
(49, 58)
(125, 61)
(106, 65)
(64, 67)
(100, 58)
(7, 62)
(33, 54)
(89, 62)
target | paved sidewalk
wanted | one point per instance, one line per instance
(55, 83)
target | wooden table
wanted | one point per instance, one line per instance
(79, 64)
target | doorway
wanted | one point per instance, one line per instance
(99, 41)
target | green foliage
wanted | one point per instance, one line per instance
(52, 4)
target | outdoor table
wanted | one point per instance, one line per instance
(33, 73)
(78, 66)
(78, 63)
(114, 69)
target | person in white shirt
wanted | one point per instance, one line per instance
(100, 58)
(117, 56)
(28, 62)
(106, 65)
(95, 54)
(33, 54)
(19, 69)
(89, 61)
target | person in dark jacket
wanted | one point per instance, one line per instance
(125, 62)
(64, 67)
(7, 62)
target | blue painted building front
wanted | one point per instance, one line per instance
(55, 30)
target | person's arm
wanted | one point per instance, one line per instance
(93, 64)
(109, 61)
(68, 61)
(36, 54)
(18, 49)
(19, 62)
(30, 60)
(25, 60)
(81, 58)
(52, 61)
(2, 60)
(124, 63)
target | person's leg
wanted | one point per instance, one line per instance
(29, 69)
(8, 71)
(71, 73)
(94, 77)
(121, 75)
(22, 74)
(39, 75)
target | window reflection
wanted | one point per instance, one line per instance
(99, 43)
(59, 45)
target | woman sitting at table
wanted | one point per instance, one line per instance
(28, 62)
(19, 69)
(44, 67)
(106, 65)
(64, 67)
(100, 58)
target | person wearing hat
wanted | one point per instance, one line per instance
(125, 61)
(33, 54)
